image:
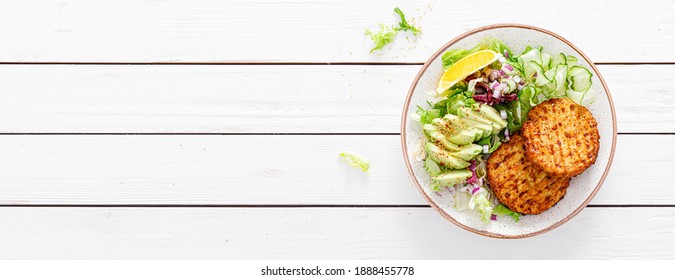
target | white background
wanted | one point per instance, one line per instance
(210, 130)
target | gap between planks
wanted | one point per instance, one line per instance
(281, 63)
(285, 206)
(249, 133)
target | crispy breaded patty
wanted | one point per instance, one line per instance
(562, 137)
(520, 184)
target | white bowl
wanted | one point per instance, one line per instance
(582, 188)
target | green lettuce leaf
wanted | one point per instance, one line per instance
(381, 38)
(497, 46)
(501, 210)
(356, 161)
(483, 205)
(404, 25)
(451, 56)
(493, 143)
(426, 116)
(459, 99)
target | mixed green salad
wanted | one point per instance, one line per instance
(470, 120)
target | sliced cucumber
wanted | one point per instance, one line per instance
(579, 78)
(541, 74)
(546, 61)
(534, 55)
(560, 75)
(576, 96)
(559, 59)
(512, 85)
(571, 60)
(550, 74)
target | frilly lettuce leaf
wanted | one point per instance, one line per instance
(381, 38)
(501, 210)
(356, 161)
(480, 202)
(387, 33)
(459, 99)
(426, 116)
(497, 46)
(451, 56)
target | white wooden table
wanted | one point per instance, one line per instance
(210, 129)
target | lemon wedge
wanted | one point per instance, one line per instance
(464, 67)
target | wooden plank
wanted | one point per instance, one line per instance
(260, 99)
(317, 233)
(151, 169)
(147, 99)
(310, 31)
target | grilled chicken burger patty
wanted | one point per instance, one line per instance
(561, 137)
(520, 184)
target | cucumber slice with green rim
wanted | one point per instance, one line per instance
(576, 96)
(571, 60)
(533, 55)
(579, 78)
(541, 74)
(559, 59)
(546, 61)
(512, 85)
(560, 74)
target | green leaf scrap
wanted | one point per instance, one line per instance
(381, 38)
(356, 161)
(404, 25)
(387, 34)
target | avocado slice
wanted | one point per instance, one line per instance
(443, 158)
(475, 116)
(451, 178)
(459, 131)
(491, 114)
(485, 128)
(455, 133)
(466, 136)
(447, 126)
(439, 138)
(436, 136)
(468, 152)
(429, 129)
(459, 124)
